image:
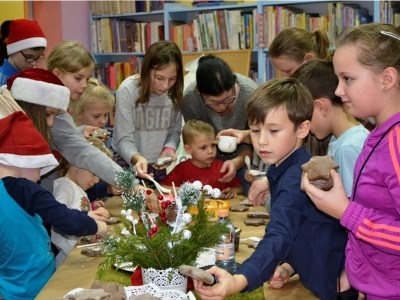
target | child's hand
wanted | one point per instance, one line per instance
(230, 169)
(96, 204)
(259, 191)
(281, 276)
(113, 190)
(101, 228)
(230, 193)
(141, 165)
(100, 214)
(248, 177)
(87, 132)
(333, 202)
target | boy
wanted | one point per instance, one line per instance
(26, 258)
(279, 114)
(26, 44)
(200, 142)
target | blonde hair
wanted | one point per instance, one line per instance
(94, 93)
(194, 127)
(96, 142)
(295, 43)
(69, 56)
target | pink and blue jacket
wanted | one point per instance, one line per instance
(373, 216)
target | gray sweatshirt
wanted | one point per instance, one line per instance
(72, 145)
(147, 128)
(194, 108)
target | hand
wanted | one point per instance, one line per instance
(230, 169)
(333, 202)
(227, 285)
(259, 191)
(88, 130)
(100, 214)
(101, 228)
(141, 165)
(281, 276)
(248, 177)
(229, 192)
(243, 136)
(166, 153)
(113, 190)
(96, 204)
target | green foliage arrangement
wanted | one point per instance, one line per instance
(167, 240)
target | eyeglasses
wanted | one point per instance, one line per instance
(226, 101)
(30, 60)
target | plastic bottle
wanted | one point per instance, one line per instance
(225, 249)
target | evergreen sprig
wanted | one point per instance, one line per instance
(164, 249)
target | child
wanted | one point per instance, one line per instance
(26, 258)
(219, 97)
(25, 47)
(293, 46)
(95, 105)
(73, 65)
(367, 64)
(200, 142)
(279, 114)
(70, 190)
(330, 117)
(148, 119)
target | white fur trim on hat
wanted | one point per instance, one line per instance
(41, 93)
(45, 162)
(26, 44)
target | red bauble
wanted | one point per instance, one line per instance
(148, 192)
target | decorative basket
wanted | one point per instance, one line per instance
(168, 279)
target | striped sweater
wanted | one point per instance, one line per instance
(373, 217)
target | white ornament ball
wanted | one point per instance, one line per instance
(187, 218)
(129, 218)
(129, 211)
(216, 193)
(208, 189)
(197, 185)
(123, 212)
(186, 234)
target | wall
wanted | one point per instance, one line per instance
(11, 10)
(60, 20)
(68, 20)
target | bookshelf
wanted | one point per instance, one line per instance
(248, 25)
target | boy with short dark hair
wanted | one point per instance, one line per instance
(279, 114)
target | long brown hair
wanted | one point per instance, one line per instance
(157, 57)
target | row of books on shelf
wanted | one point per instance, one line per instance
(112, 74)
(115, 7)
(340, 16)
(217, 30)
(113, 35)
(390, 12)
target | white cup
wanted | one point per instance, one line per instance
(227, 143)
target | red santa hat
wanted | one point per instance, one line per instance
(22, 146)
(25, 34)
(40, 87)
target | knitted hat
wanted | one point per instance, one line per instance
(25, 34)
(40, 87)
(22, 146)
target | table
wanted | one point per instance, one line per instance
(80, 271)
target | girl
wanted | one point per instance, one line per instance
(73, 65)
(70, 190)
(294, 46)
(148, 120)
(367, 62)
(94, 109)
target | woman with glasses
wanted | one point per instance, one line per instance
(219, 97)
(25, 45)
